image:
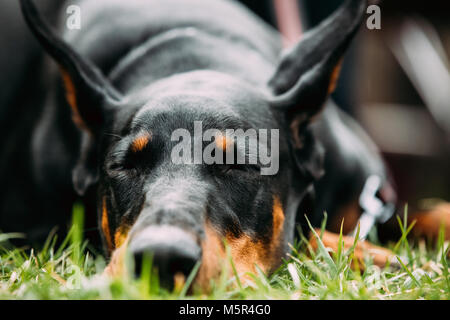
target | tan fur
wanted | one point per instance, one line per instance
(116, 266)
(334, 78)
(121, 235)
(224, 142)
(141, 142)
(105, 226)
(331, 240)
(245, 251)
(428, 222)
(72, 99)
(213, 253)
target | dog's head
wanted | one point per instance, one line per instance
(167, 166)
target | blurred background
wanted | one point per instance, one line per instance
(395, 81)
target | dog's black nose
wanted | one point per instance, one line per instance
(171, 250)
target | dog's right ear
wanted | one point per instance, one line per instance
(88, 92)
(308, 72)
(307, 75)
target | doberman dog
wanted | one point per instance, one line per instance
(100, 124)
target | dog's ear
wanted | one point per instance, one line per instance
(88, 92)
(91, 97)
(308, 72)
(307, 75)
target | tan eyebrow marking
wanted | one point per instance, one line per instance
(141, 141)
(224, 142)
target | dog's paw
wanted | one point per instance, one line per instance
(380, 256)
(430, 220)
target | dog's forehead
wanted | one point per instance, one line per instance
(184, 110)
(219, 100)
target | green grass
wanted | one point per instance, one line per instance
(70, 271)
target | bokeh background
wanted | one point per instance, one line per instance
(396, 82)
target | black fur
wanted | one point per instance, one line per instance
(161, 65)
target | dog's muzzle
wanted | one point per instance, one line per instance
(171, 250)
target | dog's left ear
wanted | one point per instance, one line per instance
(307, 75)
(92, 98)
(308, 72)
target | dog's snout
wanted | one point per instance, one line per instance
(172, 251)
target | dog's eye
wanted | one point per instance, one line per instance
(115, 167)
(244, 168)
(133, 163)
(228, 168)
(120, 162)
